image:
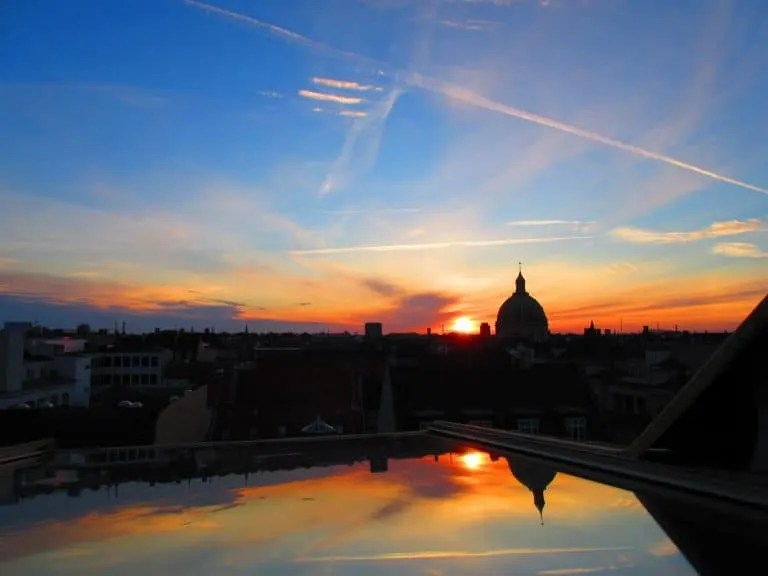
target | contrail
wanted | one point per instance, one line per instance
(464, 95)
(469, 97)
(283, 32)
(434, 245)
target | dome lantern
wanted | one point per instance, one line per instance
(521, 315)
(520, 281)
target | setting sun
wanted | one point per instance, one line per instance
(464, 324)
(472, 460)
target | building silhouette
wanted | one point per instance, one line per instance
(521, 316)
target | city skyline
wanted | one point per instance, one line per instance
(312, 165)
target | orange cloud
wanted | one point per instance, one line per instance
(325, 97)
(739, 250)
(716, 230)
(342, 84)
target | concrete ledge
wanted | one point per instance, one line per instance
(736, 489)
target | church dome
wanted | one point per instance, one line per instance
(521, 315)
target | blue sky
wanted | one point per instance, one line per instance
(174, 162)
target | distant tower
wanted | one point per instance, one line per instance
(485, 330)
(373, 330)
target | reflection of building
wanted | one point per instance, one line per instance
(535, 477)
(521, 316)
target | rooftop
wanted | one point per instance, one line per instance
(399, 504)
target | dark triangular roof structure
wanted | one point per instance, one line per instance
(728, 377)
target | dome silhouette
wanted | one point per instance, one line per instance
(521, 316)
(536, 478)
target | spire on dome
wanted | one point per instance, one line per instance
(538, 500)
(520, 282)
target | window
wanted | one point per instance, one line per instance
(135, 361)
(576, 427)
(118, 361)
(106, 361)
(153, 379)
(144, 379)
(528, 425)
(155, 361)
(126, 361)
(134, 379)
(126, 379)
(145, 361)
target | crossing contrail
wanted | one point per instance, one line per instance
(469, 97)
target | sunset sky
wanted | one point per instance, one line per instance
(313, 164)
(420, 518)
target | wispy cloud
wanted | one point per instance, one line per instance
(270, 94)
(375, 211)
(547, 222)
(361, 146)
(345, 113)
(571, 571)
(716, 230)
(325, 97)
(425, 555)
(471, 24)
(739, 250)
(436, 245)
(664, 548)
(463, 94)
(343, 84)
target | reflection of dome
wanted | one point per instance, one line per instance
(521, 315)
(535, 477)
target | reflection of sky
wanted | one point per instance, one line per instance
(421, 517)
